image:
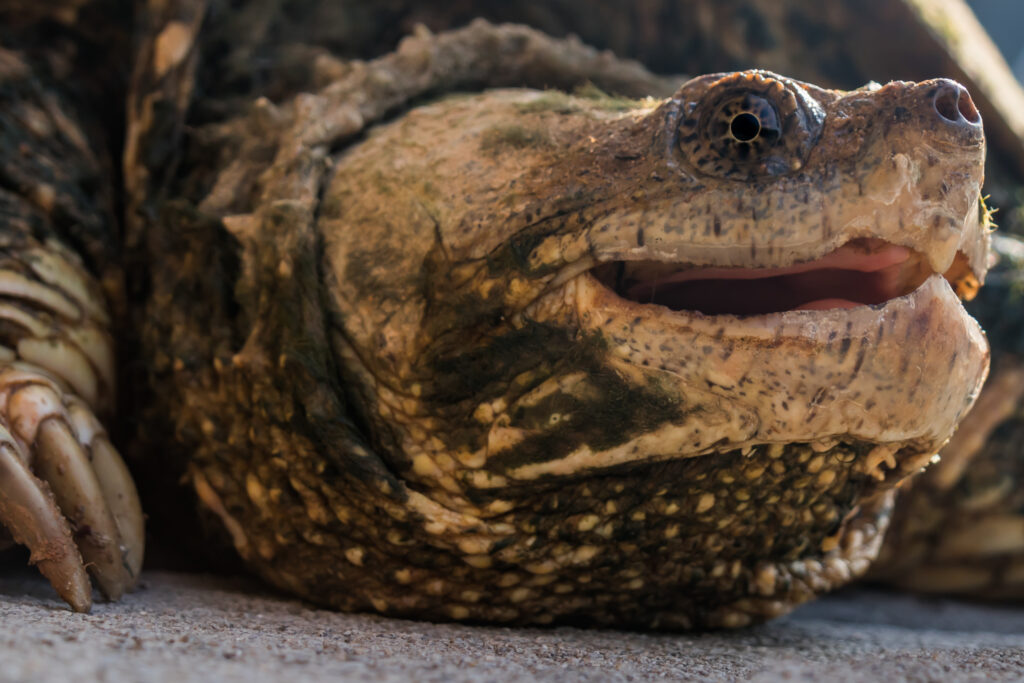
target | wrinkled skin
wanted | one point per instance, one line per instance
(470, 425)
(404, 377)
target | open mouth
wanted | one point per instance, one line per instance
(864, 271)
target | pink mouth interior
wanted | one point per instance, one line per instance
(862, 272)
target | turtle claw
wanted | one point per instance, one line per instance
(64, 491)
(62, 463)
(116, 483)
(29, 513)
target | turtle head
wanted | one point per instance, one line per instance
(541, 356)
(559, 285)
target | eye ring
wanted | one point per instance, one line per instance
(745, 127)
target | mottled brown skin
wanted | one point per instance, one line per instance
(401, 383)
(403, 392)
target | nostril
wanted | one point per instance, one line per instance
(965, 105)
(954, 104)
(946, 104)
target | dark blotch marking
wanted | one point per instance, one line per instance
(606, 412)
(615, 413)
(486, 371)
(860, 357)
(844, 348)
(515, 256)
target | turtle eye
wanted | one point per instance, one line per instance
(748, 125)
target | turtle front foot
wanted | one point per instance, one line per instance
(65, 492)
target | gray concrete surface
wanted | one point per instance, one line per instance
(183, 628)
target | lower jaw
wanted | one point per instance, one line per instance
(905, 370)
(817, 323)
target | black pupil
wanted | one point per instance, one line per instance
(745, 127)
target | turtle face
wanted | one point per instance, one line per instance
(692, 341)
(754, 262)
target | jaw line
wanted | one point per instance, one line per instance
(763, 330)
(861, 272)
(760, 321)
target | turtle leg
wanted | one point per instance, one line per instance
(65, 493)
(959, 529)
(64, 490)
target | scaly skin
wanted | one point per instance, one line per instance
(403, 389)
(415, 376)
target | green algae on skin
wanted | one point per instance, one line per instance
(514, 136)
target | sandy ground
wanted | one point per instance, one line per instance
(184, 628)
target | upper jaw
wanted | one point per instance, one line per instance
(695, 233)
(847, 269)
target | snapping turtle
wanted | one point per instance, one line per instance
(515, 356)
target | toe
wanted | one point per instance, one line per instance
(116, 484)
(29, 513)
(62, 463)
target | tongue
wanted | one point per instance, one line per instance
(825, 304)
